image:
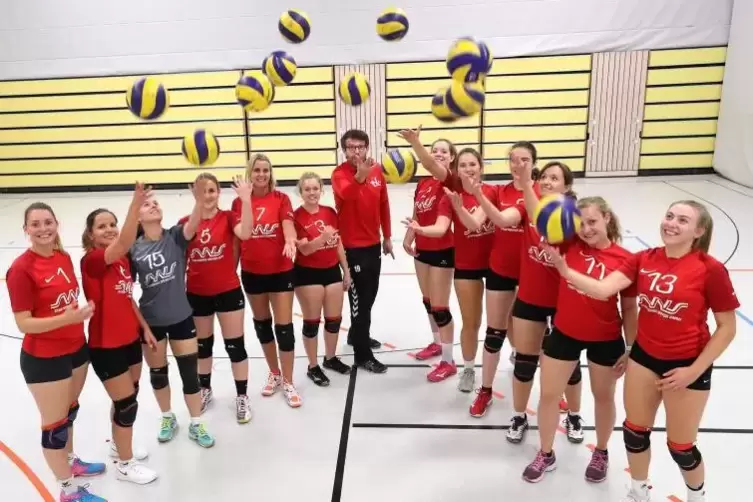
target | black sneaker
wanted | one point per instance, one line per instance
(335, 364)
(317, 376)
(374, 344)
(373, 366)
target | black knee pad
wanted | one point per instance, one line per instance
(686, 456)
(494, 340)
(332, 324)
(576, 377)
(442, 316)
(285, 337)
(310, 328)
(188, 366)
(159, 378)
(236, 349)
(73, 413)
(637, 439)
(525, 367)
(55, 437)
(264, 331)
(205, 347)
(427, 305)
(124, 412)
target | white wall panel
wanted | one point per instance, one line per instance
(40, 38)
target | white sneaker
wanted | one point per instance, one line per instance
(135, 473)
(467, 380)
(243, 411)
(138, 453)
(274, 382)
(206, 398)
(291, 395)
(637, 496)
(696, 496)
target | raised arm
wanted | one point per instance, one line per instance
(601, 289)
(435, 169)
(510, 217)
(127, 236)
(190, 226)
(438, 229)
(244, 228)
(471, 221)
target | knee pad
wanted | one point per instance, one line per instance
(310, 328)
(525, 367)
(494, 340)
(285, 337)
(159, 378)
(205, 347)
(264, 331)
(332, 324)
(427, 305)
(637, 439)
(576, 377)
(55, 436)
(124, 412)
(236, 349)
(188, 366)
(686, 456)
(442, 316)
(73, 413)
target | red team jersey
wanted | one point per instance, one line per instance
(674, 297)
(362, 208)
(262, 253)
(310, 226)
(45, 286)
(505, 256)
(581, 316)
(429, 194)
(110, 287)
(210, 256)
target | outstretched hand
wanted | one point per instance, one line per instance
(410, 135)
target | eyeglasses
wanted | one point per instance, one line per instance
(353, 148)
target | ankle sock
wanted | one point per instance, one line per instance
(67, 486)
(470, 365)
(205, 381)
(241, 387)
(447, 352)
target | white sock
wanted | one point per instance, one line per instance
(447, 352)
(435, 334)
(168, 414)
(639, 486)
(71, 457)
(68, 486)
(470, 365)
(195, 420)
(123, 464)
(434, 329)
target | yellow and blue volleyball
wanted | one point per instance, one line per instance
(439, 107)
(392, 24)
(201, 148)
(354, 89)
(294, 26)
(469, 60)
(147, 98)
(279, 67)
(254, 92)
(557, 218)
(398, 165)
(465, 99)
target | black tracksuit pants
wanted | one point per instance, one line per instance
(365, 266)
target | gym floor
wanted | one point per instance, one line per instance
(381, 437)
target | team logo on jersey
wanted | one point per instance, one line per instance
(264, 231)
(375, 182)
(663, 284)
(539, 255)
(208, 253)
(159, 272)
(63, 300)
(486, 228)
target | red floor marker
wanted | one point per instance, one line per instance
(389, 345)
(674, 499)
(498, 394)
(591, 447)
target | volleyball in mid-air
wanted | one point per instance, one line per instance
(392, 24)
(469, 60)
(147, 98)
(354, 89)
(201, 148)
(294, 26)
(254, 92)
(557, 218)
(280, 68)
(465, 99)
(439, 107)
(398, 165)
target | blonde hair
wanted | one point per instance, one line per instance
(250, 167)
(41, 206)
(705, 221)
(208, 176)
(614, 232)
(309, 175)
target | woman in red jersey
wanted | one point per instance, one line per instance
(321, 277)
(672, 357)
(213, 287)
(268, 277)
(434, 260)
(473, 237)
(116, 326)
(586, 323)
(537, 292)
(43, 293)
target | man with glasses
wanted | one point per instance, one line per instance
(363, 208)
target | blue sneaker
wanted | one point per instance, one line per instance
(83, 469)
(167, 428)
(198, 433)
(82, 495)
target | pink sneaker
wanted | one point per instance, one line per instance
(431, 350)
(443, 371)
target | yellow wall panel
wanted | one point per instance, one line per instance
(695, 75)
(536, 99)
(677, 145)
(408, 105)
(683, 57)
(297, 126)
(677, 161)
(538, 82)
(545, 150)
(681, 111)
(707, 92)
(433, 69)
(303, 93)
(295, 110)
(546, 64)
(113, 178)
(457, 136)
(427, 121)
(294, 142)
(416, 87)
(533, 134)
(303, 158)
(680, 128)
(523, 117)
(576, 165)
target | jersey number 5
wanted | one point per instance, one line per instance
(205, 236)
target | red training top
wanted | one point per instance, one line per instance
(362, 208)
(114, 323)
(505, 256)
(429, 194)
(674, 296)
(210, 255)
(310, 226)
(45, 286)
(581, 316)
(262, 253)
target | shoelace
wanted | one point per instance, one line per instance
(539, 463)
(166, 423)
(201, 431)
(242, 406)
(598, 461)
(573, 422)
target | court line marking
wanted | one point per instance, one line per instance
(589, 428)
(28, 473)
(342, 450)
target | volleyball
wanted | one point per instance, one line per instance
(279, 67)
(398, 166)
(254, 92)
(354, 89)
(147, 98)
(201, 148)
(469, 60)
(465, 99)
(294, 26)
(392, 24)
(557, 218)
(439, 107)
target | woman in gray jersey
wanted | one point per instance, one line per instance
(158, 259)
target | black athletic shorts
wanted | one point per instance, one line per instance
(259, 284)
(229, 301)
(496, 282)
(51, 369)
(530, 312)
(183, 330)
(310, 276)
(109, 363)
(662, 366)
(471, 274)
(566, 348)
(440, 258)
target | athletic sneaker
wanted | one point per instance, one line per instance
(335, 364)
(596, 472)
(135, 472)
(81, 495)
(639, 496)
(540, 466)
(243, 411)
(138, 453)
(432, 350)
(482, 402)
(443, 371)
(291, 395)
(199, 434)
(317, 376)
(574, 426)
(696, 496)
(83, 469)
(206, 398)
(167, 428)
(373, 366)
(467, 380)
(518, 428)
(274, 382)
